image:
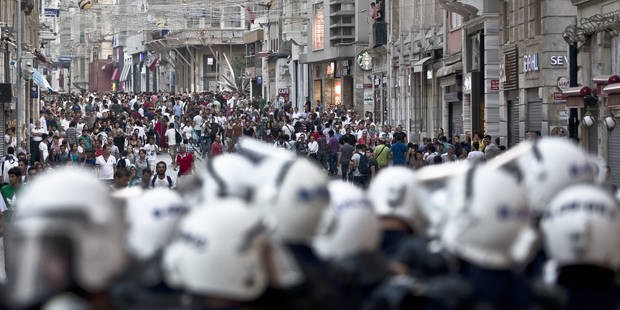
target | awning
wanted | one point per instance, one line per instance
(450, 69)
(116, 74)
(417, 67)
(125, 71)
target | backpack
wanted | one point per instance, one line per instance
(122, 163)
(177, 137)
(168, 178)
(364, 165)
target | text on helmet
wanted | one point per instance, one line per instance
(591, 207)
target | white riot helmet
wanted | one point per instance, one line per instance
(582, 226)
(349, 226)
(258, 151)
(67, 230)
(224, 176)
(152, 218)
(291, 195)
(432, 183)
(218, 252)
(487, 210)
(227, 176)
(546, 166)
(394, 193)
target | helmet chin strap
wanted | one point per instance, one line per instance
(222, 188)
(540, 173)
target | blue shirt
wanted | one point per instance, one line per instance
(178, 110)
(399, 150)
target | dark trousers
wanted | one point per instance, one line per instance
(344, 169)
(361, 181)
(34, 151)
(332, 160)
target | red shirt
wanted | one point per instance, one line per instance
(185, 163)
(216, 149)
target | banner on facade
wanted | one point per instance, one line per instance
(151, 61)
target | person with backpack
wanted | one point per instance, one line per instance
(360, 166)
(123, 162)
(161, 179)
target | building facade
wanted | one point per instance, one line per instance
(337, 34)
(596, 48)
(10, 117)
(534, 68)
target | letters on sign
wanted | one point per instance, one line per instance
(531, 63)
(558, 60)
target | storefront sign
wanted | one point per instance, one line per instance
(559, 97)
(283, 94)
(563, 83)
(51, 12)
(368, 97)
(531, 63)
(558, 60)
(494, 85)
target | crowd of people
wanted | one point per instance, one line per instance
(106, 132)
(270, 207)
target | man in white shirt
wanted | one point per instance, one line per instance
(43, 150)
(10, 161)
(105, 165)
(172, 140)
(43, 122)
(288, 129)
(313, 148)
(151, 151)
(475, 154)
(161, 179)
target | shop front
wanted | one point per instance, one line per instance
(333, 85)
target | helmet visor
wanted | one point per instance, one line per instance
(38, 265)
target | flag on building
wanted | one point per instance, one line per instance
(38, 78)
(151, 61)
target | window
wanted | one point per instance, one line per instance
(456, 21)
(348, 7)
(209, 64)
(347, 19)
(534, 20)
(232, 17)
(215, 18)
(318, 27)
(193, 22)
